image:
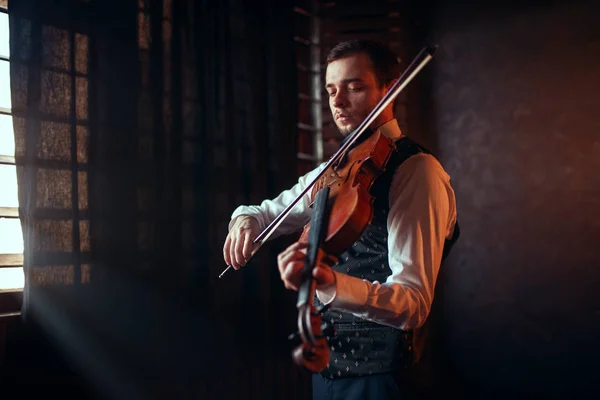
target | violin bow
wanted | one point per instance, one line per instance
(424, 56)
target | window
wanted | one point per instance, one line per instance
(11, 236)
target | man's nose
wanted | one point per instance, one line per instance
(338, 100)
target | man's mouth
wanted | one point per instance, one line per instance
(343, 117)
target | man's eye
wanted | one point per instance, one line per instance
(331, 94)
(355, 88)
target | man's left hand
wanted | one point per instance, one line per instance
(291, 262)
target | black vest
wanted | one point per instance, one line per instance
(360, 347)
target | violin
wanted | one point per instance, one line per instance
(342, 208)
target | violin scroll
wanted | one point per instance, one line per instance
(313, 353)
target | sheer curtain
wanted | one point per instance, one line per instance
(139, 126)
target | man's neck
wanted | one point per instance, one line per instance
(391, 129)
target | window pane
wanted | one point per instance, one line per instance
(8, 183)
(7, 137)
(12, 236)
(4, 35)
(4, 84)
(12, 278)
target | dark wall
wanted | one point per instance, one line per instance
(512, 106)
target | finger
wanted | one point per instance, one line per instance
(237, 251)
(282, 259)
(293, 274)
(226, 248)
(292, 253)
(297, 246)
(281, 264)
(233, 252)
(319, 274)
(248, 244)
(323, 275)
(289, 256)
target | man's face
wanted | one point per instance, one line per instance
(354, 92)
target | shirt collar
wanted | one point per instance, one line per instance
(391, 129)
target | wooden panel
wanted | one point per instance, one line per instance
(11, 260)
(7, 160)
(11, 212)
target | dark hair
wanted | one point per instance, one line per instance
(385, 62)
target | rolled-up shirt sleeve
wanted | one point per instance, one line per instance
(422, 215)
(269, 209)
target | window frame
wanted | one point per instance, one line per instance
(11, 300)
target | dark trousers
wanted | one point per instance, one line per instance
(372, 387)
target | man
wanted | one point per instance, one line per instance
(382, 287)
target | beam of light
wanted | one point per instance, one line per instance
(130, 340)
(84, 347)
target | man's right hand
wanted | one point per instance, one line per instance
(238, 245)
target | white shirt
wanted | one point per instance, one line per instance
(422, 214)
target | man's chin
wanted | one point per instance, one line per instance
(346, 129)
